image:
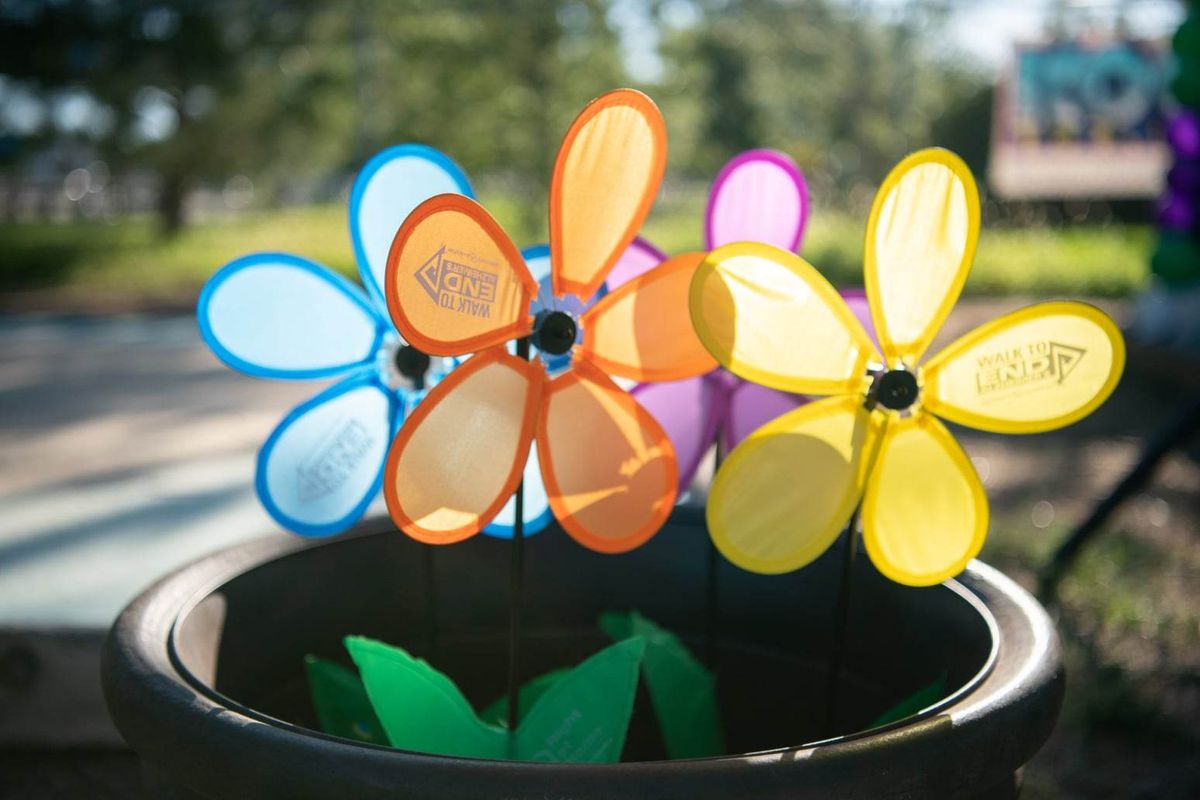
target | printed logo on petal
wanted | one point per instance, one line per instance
(333, 460)
(455, 281)
(1034, 365)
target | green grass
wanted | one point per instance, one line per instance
(130, 256)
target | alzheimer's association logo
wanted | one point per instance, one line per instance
(1033, 365)
(336, 457)
(456, 285)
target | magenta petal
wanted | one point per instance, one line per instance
(685, 410)
(759, 196)
(639, 257)
(750, 407)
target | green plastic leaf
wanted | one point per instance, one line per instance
(497, 712)
(921, 698)
(585, 716)
(682, 690)
(420, 708)
(581, 717)
(341, 702)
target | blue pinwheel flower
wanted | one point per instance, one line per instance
(277, 315)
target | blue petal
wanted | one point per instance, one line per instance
(276, 315)
(389, 187)
(323, 465)
(537, 508)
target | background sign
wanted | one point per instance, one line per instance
(1079, 119)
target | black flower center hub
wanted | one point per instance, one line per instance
(554, 332)
(411, 362)
(896, 389)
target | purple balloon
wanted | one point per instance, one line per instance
(1177, 212)
(1183, 134)
(1184, 177)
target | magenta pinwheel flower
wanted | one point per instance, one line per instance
(758, 196)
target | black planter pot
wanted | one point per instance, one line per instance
(204, 674)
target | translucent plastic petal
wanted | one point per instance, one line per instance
(458, 457)
(537, 507)
(920, 241)
(276, 315)
(456, 284)
(1036, 369)
(605, 179)
(638, 258)
(750, 407)
(387, 189)
(537, 260)
(759, 196)
(643, 331)
(856, 300)
(783, 496)
(609, 467)
(925, 513)
(322, 466)
(768, 316)
(687, 411)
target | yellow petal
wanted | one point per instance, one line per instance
(785, 493)
(925, 514)
(1036, 369)
(769, 316)
(920, 240)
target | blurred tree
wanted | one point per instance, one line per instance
(494, 84)
(736, 127)
(176, 86)
(847, 88)
(298, 92)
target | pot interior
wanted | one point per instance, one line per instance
(244, 641)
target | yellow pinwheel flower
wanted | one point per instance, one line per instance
(783, 495)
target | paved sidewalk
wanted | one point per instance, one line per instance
(125, 451)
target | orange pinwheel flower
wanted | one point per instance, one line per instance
(456, 284)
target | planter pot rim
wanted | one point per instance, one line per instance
(149, 687)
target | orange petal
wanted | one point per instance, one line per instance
(458, 457)
(605, 178)
(609, 468)
(455, 283)
(643, 330)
